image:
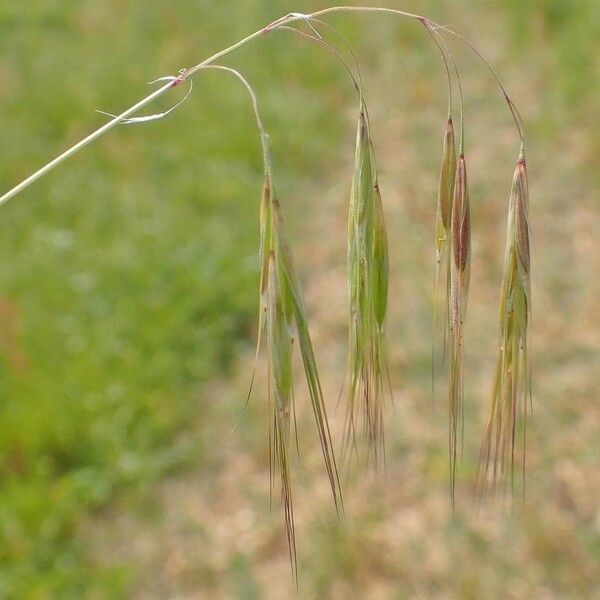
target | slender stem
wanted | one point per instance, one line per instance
(137, 106)
(337, 9)
(357, 83)
(348, 45)
(85, 141)
(264, 136)
(285, 20)
(329, 47)
(461, 145)
(511, 105)
(446, 67)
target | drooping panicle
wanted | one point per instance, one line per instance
(368, 275)
(460, 269)
(511, 392)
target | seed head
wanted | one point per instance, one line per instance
(521, 218)
(461, 218)
(368, 292)
(447, 176)
(511, 389)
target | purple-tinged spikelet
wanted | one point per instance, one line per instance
(460, 269)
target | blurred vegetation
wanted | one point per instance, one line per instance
(128, 276)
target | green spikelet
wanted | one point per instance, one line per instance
(460, 269)
(446, 185)
(282, 318)
(368, 275)
(279, 342)
(442, 233)
(298, 313)
(511, 389)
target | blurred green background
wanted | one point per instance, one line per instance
(128, 301)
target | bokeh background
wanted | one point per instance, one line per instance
(128, 303)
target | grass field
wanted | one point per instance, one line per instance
(128, 304)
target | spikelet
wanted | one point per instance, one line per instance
(308, 356)
(282, 318)
(442, 232)
(279, 342)
(460, 269)
(511, 389)
(446, 184)
(368, 274)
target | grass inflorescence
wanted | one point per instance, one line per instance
(511, 394)
(283, 320)
(442, 232)
(368, 290)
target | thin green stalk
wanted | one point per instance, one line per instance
(375, 9)
(330, 48)
(511, 105)
(85, 141)
(348, 46)
(286, 19)
(446, 50)
(135, 108)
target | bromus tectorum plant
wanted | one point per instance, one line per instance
(283, 318)
(367, 288)
(511, 392)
